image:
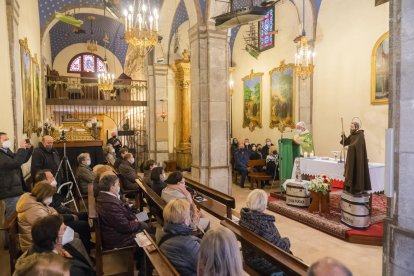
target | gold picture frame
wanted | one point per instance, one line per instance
(27, 87)
(252, 100)
(37, 97)
(282, 96)
(380, 71)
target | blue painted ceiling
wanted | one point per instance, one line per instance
(180, 17)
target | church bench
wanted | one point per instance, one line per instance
(155, 203)
(288, 263)
(257, 177)
(11, 228)
(159, 261)
(216, 203)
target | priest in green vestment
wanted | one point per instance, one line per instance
(304, 138)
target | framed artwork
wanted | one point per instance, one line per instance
(380, 69)
(252, 100)
(37, 99)
(282, 95)
(26, 67)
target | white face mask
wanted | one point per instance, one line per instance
(88, 162)
(132, 161)
(298, 131)
(268, 143)
(68, 235)
(6, 144)
(112, 150)
(47, 201)
(254, 148)
(54, 183)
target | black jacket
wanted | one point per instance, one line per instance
(129, 175)
(11, 177)
(43, 159)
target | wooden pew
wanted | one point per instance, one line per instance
(12, 228)
(257, 177)
(285, 261)
(159, 261)
(217, 203)
(155, 203)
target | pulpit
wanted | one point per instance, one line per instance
(288, 151)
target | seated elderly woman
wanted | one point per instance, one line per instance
(148, 166)
(176, 190)
(128, 173)
(51, 238)
(220, 254)
(109, 153)
(157, 180)
(119, 225)
(177, 242)
(99, 171)
(84, 174)
(254, 219)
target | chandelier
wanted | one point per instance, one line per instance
(91, 44)
(141, 26)
(106, 81)
(304, 54)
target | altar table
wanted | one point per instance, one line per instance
(334, 170)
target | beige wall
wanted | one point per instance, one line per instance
(47, 50)
(286, 21)
(346, 34)
(62, 59)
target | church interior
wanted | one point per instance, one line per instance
(309, 101)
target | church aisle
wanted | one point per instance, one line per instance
(311, 245)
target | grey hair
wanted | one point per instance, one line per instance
(82, 157)
(328, 266)
(219, 254)
(301, 124)
(257, 200)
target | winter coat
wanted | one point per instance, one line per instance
(180, 247)
(28, 211)
(129, 176)
(262, 225)
(11, 177)
(43, 159)
(85, 176)
(158, 186)
(147, 178)
(118, 223)
(241, 157)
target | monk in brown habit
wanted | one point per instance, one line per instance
(357, 178)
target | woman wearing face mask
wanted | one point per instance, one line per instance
(157, 180)
(84, 174)
(32, 206)
(51, 241)
(255, 154)
(110, 155)
(128, 173)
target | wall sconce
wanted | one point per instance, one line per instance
(163, 114)
(231, 81)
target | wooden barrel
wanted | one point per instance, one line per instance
(355, 210)
(297, 195)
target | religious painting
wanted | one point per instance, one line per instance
(282, 96)
(26, 68)
(37, 99)
(380, 69)
(252, 100)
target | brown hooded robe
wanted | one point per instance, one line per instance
(357, 178)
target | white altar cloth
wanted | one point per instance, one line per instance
(334, 170)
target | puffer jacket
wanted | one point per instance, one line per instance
(180, 247)
(118, 223)
(11, 177)
(262, 225)
(85, 176)
(28, 211)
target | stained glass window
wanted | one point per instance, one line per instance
(86, 63)
(266, 27)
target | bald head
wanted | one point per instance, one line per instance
(328, 266)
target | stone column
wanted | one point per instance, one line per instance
(210, 107)
(183, 110)
(399, 225)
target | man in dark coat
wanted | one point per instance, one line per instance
(119, 224)
(115, 142)
(128, 173)
(45, 157)
(241, 157)
(357, 178)
(12, 183)
(265, 149)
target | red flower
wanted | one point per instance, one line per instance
(324, 176)
(325, 180)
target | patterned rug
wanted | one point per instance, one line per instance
(330, 223)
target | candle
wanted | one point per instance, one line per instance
(311, 154)
(305, 154)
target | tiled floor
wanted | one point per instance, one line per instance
(307, 243)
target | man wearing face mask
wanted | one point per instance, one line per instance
(303, 138)
(241, 157)
(84, 174)
(357, 179)
(247, 144)
(45, 157)
(12, 183)
(265, 149)
(128, 173)
(115, 142)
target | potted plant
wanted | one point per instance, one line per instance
(320, 188)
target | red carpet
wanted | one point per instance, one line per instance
(331, 223)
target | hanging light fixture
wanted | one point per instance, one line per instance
(91, 44)
(141, 26)
(304, 54)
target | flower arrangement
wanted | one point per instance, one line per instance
(320, 183)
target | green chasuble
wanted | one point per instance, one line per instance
(306, 142)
